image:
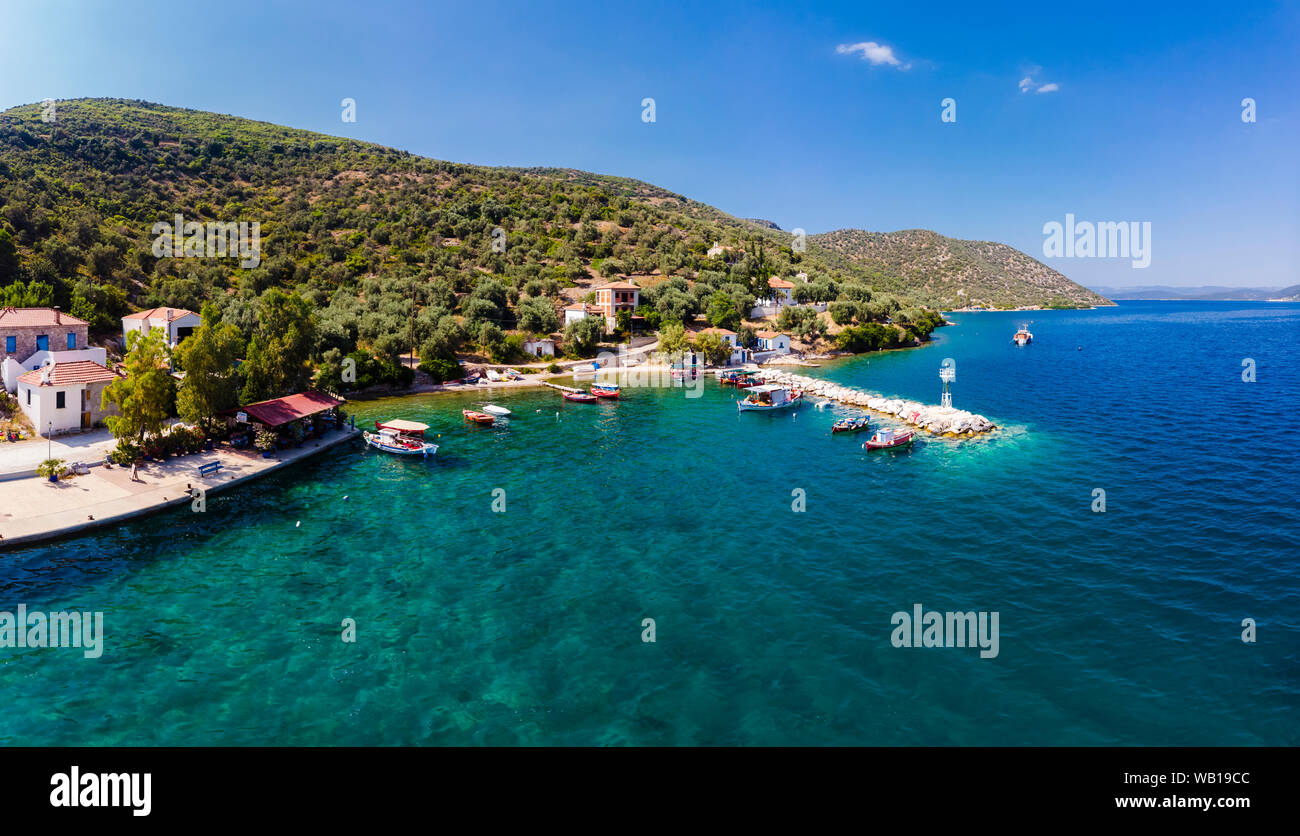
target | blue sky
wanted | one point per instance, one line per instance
(759, 113)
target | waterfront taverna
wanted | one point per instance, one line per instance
(292, 418)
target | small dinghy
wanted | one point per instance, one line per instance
(477, 417)
(497, 410)
(580, 397)
(494, 375)
(889, 440)
(605, 390)
(849, 425)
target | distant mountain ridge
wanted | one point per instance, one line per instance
(1207, 293)
(952, 273)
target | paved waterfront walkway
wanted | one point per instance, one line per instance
(33, 509)
(22, 457)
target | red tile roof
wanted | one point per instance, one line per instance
(616, 286)
(769, 335)
(278, 411)
(167, 314)
(68, 374)
(779, 283)
(36, 317)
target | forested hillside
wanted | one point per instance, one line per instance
(355, 238)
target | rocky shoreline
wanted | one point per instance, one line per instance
(933, 419)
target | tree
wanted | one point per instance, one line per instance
(715, 349)
(537, 315)
(8, 258)
(282, 344)
(211, 381)
(672, 340)
(144, 397)
(722, 312)
(582, 336)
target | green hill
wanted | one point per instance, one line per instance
(950, 273)
(365, 234)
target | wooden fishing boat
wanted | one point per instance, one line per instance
(886, 439)
(579, 397)
(471, 378)
(478, 417)
(493, 409)
(605, 390)
(402, 438)
(769, 398)
(741, 379)
(849, 425)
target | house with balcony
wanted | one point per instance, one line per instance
(614, 297)
(178, 323)
(30, 337)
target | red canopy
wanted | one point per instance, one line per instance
(279, 411)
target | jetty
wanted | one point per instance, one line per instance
(937, 420)
(561, 388)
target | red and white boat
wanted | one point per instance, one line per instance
(478, 417)
(888, 439)
(605, 390)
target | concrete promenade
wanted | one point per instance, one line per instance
(34, 509)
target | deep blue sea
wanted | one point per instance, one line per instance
(524, 626)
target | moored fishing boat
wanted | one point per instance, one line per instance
(849, 425)
(1023, 337)
(497, 410)
(580, 397)
(770, 397)
(888, 439)
(477, 417)
(605, 390)
(403, 438)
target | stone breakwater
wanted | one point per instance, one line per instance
(933, 419)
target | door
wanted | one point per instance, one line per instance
(85, 409)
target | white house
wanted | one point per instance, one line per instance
(578, 311)
(782, 291)
(771, 344)
(738, 354)
(540, 347)
(65, 397)
(12, 369)
(177, 322)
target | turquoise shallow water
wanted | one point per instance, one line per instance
(773, 627)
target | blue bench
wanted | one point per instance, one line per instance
(209, 469)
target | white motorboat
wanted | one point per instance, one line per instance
(402, 438)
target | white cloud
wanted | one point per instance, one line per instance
(876, 53)
(1027, 83)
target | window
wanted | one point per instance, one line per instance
(60, 399)
(29, 397)
(43, 342)
(72, 341)
(11, 345)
